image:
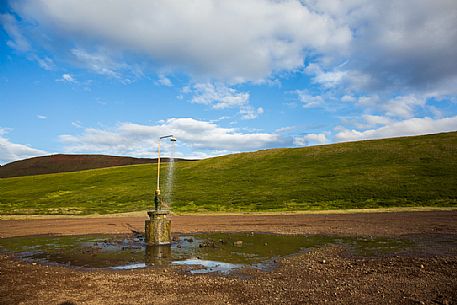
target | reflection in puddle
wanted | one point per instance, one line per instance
(208, 266)
(130, 266)
(204, 253)
(157, 255)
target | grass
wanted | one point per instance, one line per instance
(401, 172)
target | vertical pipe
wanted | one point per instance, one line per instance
(158, 168)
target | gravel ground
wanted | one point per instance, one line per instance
(329, 275)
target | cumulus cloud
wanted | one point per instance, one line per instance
(403, 106)
(401, 55)
(218, 96)
(384, 44)
(406, 44)
(141, 140)
(325, 78)
(386, 59)
(309, 101)
(376, 119)
(396, 107)
(408, 127)
(228, 40)
(311, 139)
(10, 151)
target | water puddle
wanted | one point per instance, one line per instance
(203, 253)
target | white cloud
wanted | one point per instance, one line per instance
(249, 113)
(45, 63)
(76, 124)
(397, 45)
(41, 117)
(403, 106)
(408, 127)
(376, 119)
(18, 41)
(99, 62)
(285, 129)
(218, 96)
(348, 99)
(309, 101)
(326, 79)
(66, 77)
(10, 152)
(385, 45)
(164, 81)
(209, 38)
(400, 106)
(311, 139)
(193, 135)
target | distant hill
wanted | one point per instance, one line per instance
(408, 171)
(68, 163)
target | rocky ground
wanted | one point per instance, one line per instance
(330, 275)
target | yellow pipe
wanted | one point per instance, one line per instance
(158, 170)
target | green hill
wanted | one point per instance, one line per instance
(411, 171)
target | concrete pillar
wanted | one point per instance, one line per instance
(158, 228)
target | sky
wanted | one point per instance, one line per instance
(111, 77)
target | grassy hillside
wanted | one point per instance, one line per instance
(66, 163)
(413, 171)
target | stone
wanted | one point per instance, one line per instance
(238, 243)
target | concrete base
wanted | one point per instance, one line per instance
(158, 228)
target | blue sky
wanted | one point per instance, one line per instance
(82, 76)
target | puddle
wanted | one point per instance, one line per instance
(208, 266)
(204, 253)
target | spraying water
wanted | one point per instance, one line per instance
(168, 194)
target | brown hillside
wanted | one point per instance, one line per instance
(67, 163)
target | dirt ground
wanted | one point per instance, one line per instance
(329, 275)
